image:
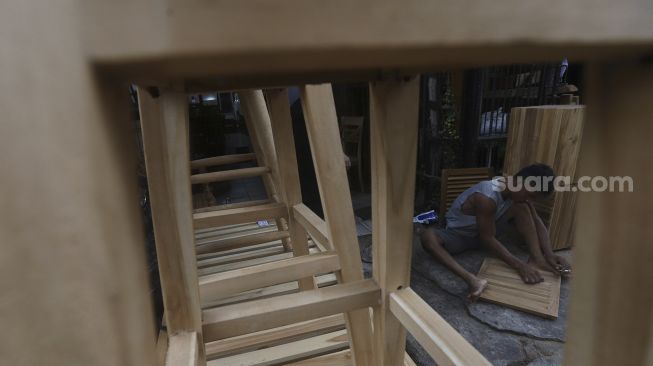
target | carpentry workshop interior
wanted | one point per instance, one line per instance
(303, 182)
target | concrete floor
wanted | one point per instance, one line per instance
(504, 336)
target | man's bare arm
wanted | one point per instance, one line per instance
(558, 262)
(485, 211)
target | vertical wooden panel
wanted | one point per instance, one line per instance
(612, 305)
(284, 144)
(164, 121)
(322, 128)
(394, 109)
(73, 280)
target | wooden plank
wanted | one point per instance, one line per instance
(164, 124)
(286, 353)
(322, 127)
(197, 39)
(314, 225)
(240, 241)
(233, 216)
(71, 233)
(434, 334)
(456, 181)
(232, 282)
(394, 107)
(275, 336)
(505, 287)
(270, 291)
(233, 320)
(183, 350)
(161, 347)
(222, 160)
(609, 314)
(232, 205)
(284, 144)
(225, 175)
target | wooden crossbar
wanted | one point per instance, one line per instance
(269, 337)
(238, 319)
(232, 205)
(240, 241)
(222, 160)
(313, 224)
(225, 175)
(434, 334)
(232, 282)
(241, 215)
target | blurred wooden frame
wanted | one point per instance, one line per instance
(72, 62)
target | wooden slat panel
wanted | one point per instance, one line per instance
(232, 282)
(505, 287)
(222, 160)
(434, 334)
(271, 337)
(240, 241)
(289, 352)
(225, 175)
(239, 215)
(233, 320)
(232, 205)
(341, 358)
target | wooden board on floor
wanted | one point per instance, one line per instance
(505, 287)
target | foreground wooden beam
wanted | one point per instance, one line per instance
(164, 123)
(241, 215)
(322, 127)
(434, 334)
(394, 106)
(610, 314)
(193, 38)
(223, 284)
(233, 320)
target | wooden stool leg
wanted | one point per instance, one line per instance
(322, 128)
(394, 109)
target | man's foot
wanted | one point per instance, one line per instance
(476, 287)
(529, 274)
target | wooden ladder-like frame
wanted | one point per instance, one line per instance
(72, 237)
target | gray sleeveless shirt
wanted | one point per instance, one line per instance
(457, 219)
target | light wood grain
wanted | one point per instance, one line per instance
(314, 225)
(505, 287)
(322, 127)
(284, 144)
(394, 107)
(232, 282)
(434, 334)
(222, 160)
(183, 350)
(240, 241)
(234, 320)
(226, 175)
(164, 124)
(233, 216)
(275, 336)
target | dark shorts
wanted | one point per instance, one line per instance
(458, 240)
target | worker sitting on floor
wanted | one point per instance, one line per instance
(473, 219)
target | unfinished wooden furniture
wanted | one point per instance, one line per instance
(74, 283)
(351, 134)
(456, 181)
(506, 288)
(551, 135)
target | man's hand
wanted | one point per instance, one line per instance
(559, 263)
(529, 274)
